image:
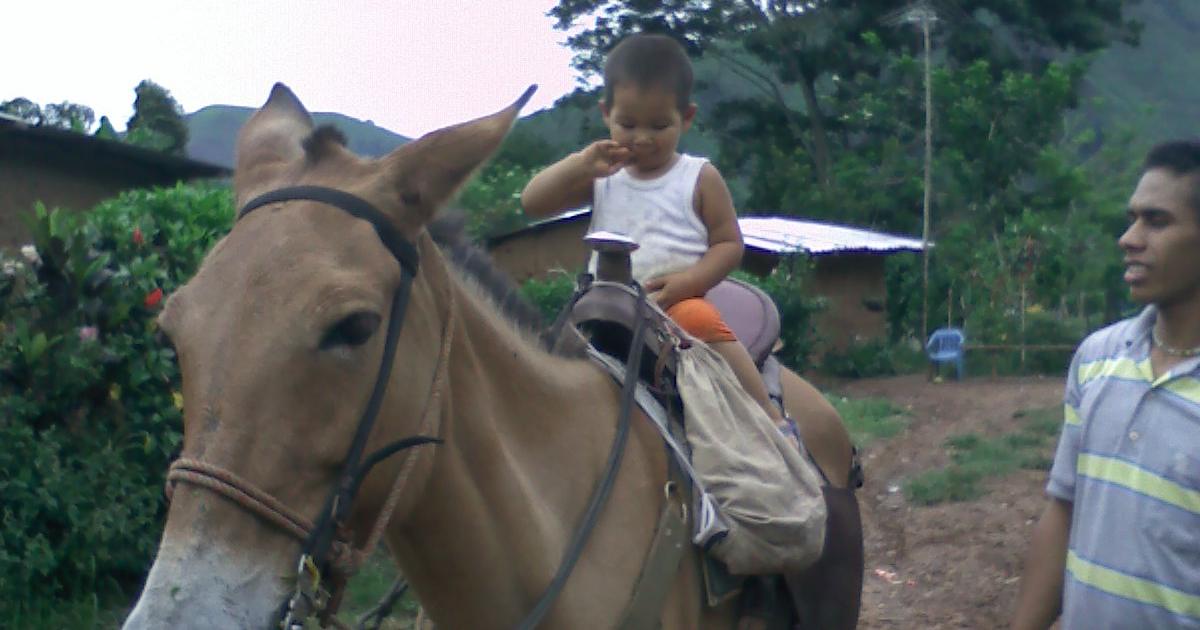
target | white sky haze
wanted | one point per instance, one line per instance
(410, 66)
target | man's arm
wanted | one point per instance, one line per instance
(567, 183)
(714, 205)
(1040, 601)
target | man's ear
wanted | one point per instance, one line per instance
(603, 110)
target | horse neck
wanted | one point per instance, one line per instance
(525, 436)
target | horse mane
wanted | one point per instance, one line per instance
(449, 233)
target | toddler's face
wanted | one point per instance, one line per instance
(647, 121)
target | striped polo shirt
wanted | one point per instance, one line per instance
(1129, 462)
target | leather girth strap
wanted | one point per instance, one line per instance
(662, 562)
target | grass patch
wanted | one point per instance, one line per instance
(365, 590)
(869, 419)
(974, 459)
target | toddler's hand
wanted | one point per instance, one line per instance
(669, 289)
(605, 157)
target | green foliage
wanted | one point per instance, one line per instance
(64, 115)
(89, 610)
(549, 295)
(973, 459)
(369, 585)
(24, 109)
(89, 414)
(827, 120)
(492, 200)
(874, 357)
(157, 122)
(869, 419)
(105, 130)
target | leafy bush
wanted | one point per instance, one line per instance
(492, 200)
(874, 357)
(549, 295)
(89, 403)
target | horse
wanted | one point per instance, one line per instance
(291, 328)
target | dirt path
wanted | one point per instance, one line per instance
(952, 565)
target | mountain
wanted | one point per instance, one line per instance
(1152, 87)
(212, 132)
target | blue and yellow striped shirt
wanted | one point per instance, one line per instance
(1129, 462)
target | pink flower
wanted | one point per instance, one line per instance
(88, 333)
(137, 236)
(153, 298)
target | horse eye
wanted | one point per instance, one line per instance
(353, 330)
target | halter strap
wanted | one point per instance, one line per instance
(352, 205)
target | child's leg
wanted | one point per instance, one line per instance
(700, 318)
(739, 360)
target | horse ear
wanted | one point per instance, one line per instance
(427, 172)
(269, 142)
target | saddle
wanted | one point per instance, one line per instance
(604, 314)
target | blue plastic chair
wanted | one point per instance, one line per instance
(946, 346)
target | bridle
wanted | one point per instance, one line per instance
(327, 557)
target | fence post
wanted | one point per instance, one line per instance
(1022, 327)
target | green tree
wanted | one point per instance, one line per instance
(157, 120)
(785, 46)
(105, 130)
(68, 115)
(827, 121)
(24, 109)
(64, 115)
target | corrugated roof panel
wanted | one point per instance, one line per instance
(787, 235)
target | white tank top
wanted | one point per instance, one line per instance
(656, 213)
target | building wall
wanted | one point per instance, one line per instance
(535, 253)
(853, 284)
(32, 171)
(856, 289)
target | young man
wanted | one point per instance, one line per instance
(1118, 545)
(675, 206)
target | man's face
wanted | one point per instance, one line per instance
(1162, 244)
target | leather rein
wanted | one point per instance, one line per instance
(327, 557)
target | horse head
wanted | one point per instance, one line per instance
(281, 337)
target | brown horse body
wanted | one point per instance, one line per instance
(279, 340)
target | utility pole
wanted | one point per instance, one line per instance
(923, 13)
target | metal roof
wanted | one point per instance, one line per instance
(778, 235)
(788, 236)
(17, 135)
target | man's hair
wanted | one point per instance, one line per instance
(647, 60)
(1181, 158)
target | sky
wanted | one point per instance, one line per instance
(411, 66)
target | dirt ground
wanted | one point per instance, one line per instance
(952, 565)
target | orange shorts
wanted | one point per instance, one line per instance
(701, 319)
